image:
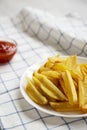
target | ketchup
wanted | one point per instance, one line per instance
(7, 51)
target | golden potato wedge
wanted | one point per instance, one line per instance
(83, 95)
(64, 106)
(71, 61)
(54, 81)
(85, 79)
(56, 59)
(84, 108)
(61, 81)
(43, 68)
(70, 88)
(48, 64)
(51, 73)
(34, 94)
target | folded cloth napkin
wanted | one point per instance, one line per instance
(39, 35)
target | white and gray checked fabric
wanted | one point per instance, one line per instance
(39, 36)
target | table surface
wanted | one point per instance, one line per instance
(55, 7)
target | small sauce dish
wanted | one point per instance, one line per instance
(8, 49)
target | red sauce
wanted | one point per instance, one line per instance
(7, 51)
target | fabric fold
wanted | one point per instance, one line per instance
(68, 33)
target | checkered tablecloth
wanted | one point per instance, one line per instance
(39, 35)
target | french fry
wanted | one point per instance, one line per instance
(56, 59)
(51, 73)
(84, 69)
(48, 64)
(53, 58)
(54, 81)
(78, 70)
(70, 88)
(60, 67)
(83, 95)
(61, 81)
(71, 61)
(64, 107)
(35, 95)
(43, 68)
(84, 108)
(85, 79)
(75, 83)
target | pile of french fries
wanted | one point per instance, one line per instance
(60, 83)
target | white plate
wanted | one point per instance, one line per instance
(45, 109)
